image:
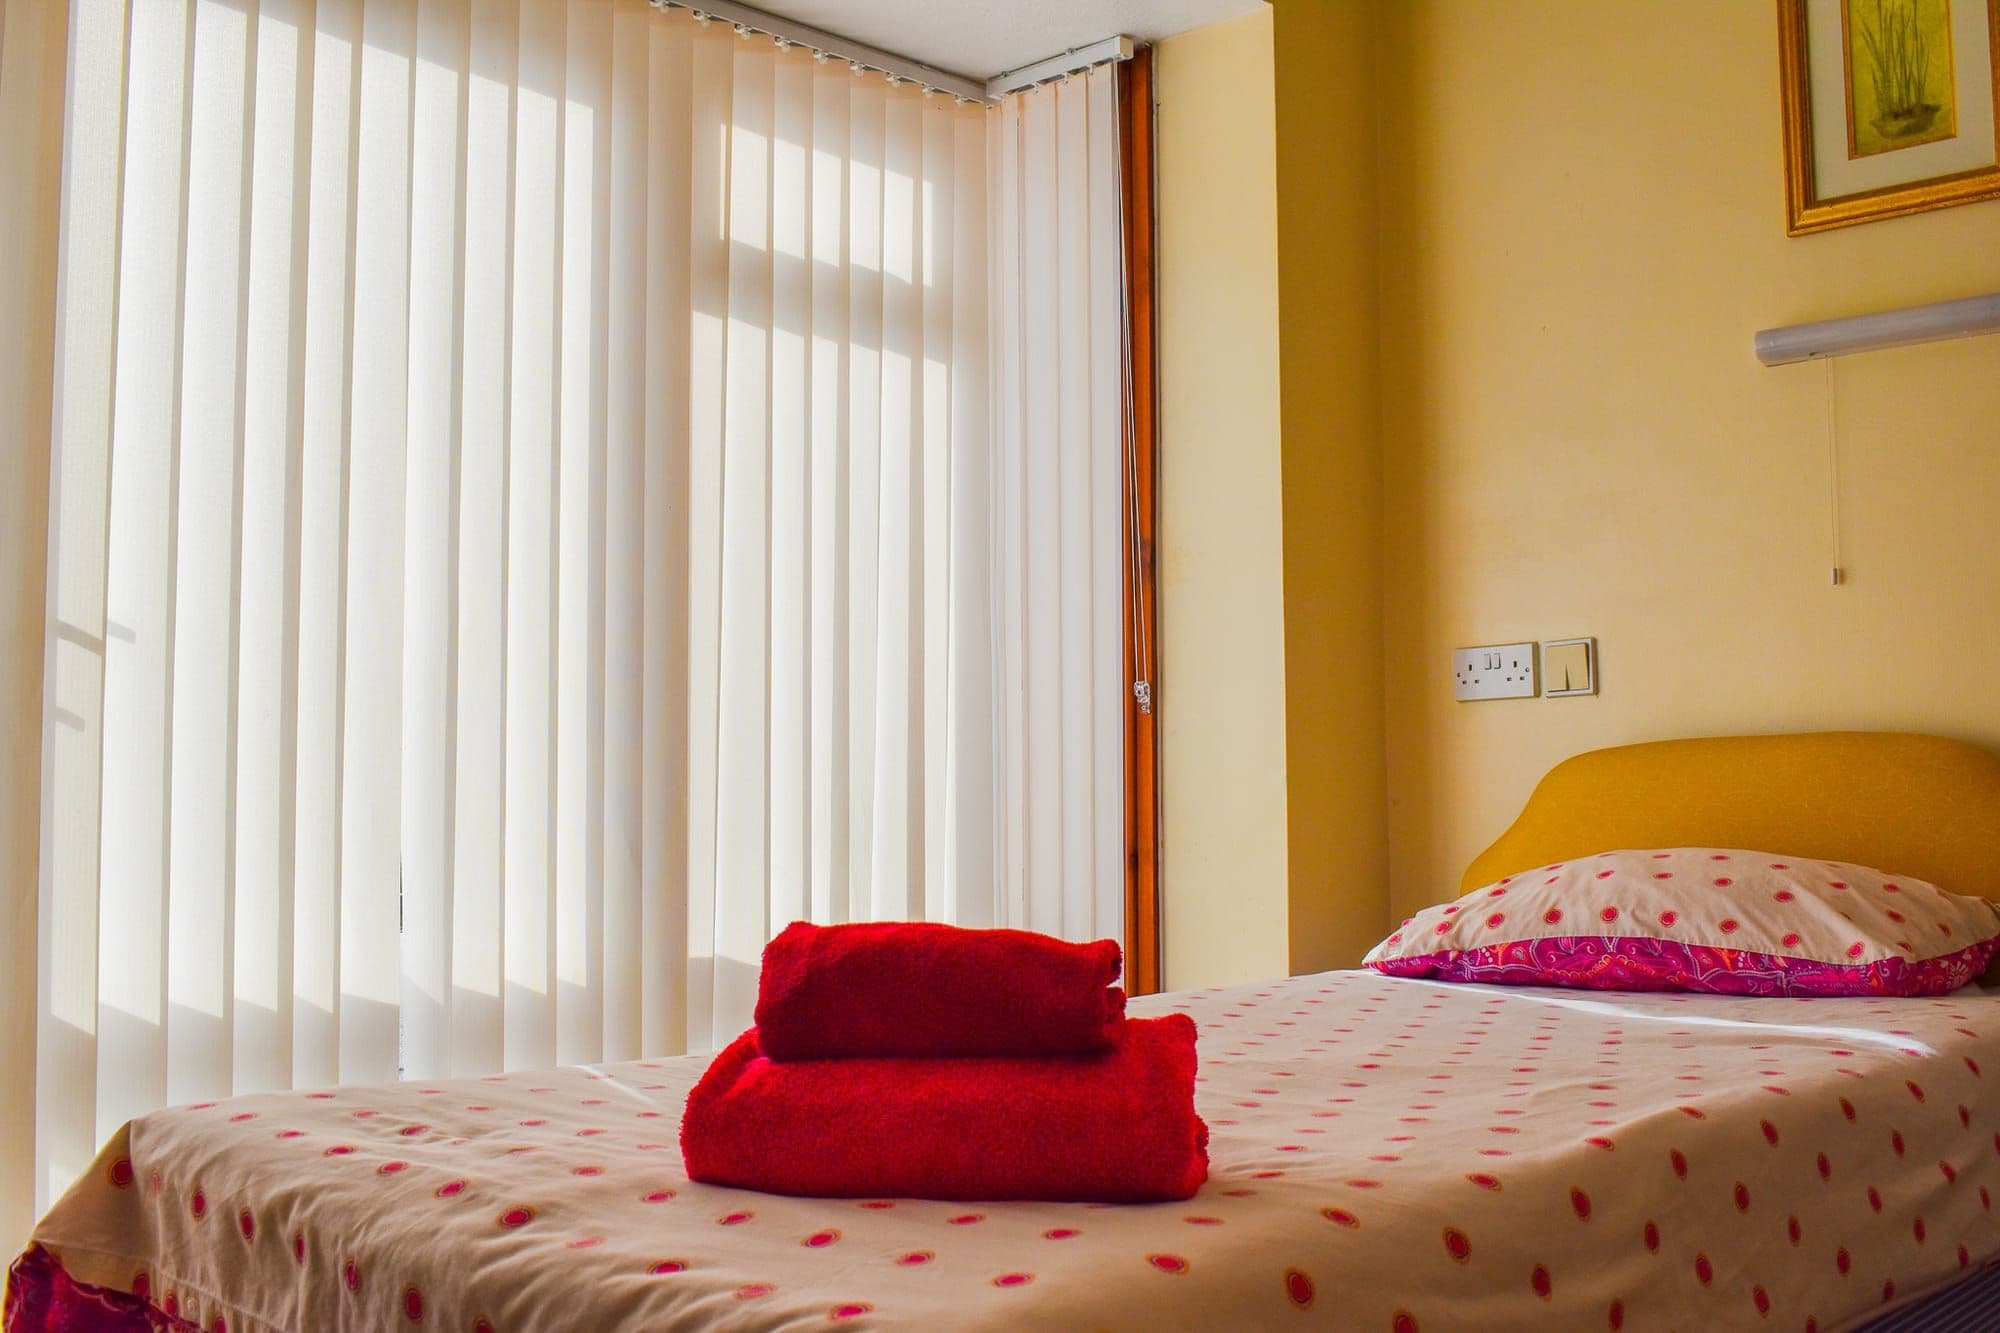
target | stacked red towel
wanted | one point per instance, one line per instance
(925, 1061)
(1118, 1126)
(918, 988)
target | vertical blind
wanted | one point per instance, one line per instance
(529, 519)
(1059, 491)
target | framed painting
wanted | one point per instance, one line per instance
(1891, 107)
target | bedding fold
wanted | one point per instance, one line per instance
(924, 989)
(1117, 1126)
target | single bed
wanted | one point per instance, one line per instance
(1386, 1154)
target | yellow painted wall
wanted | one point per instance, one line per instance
(1221, 632)
(1328, 102)
(1582, 225)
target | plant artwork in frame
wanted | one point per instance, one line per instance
(1891, 107)
(1897, 61)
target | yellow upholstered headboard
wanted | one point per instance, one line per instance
(1922, 806)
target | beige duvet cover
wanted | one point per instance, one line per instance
(1388, 1154)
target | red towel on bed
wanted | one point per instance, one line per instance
(1115, 1127)
(902, 988)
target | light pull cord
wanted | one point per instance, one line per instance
(1833, 476)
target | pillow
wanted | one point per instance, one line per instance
(1702, 919)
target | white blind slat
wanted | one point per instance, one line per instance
(829, 593)
(138, 663)
(66, 1092)
(624, 539)
(322, 654)
(479, 842)
(742, 887)
(897, 852)
(1105, 370)
(971, 786)
(267, 635)
(1042, 509)
(666, 917)
(372, 875)
(532, 479)
(430, 620)
(865, 135)
(1006, 137)
(791, 209)
(579, 899)
(201, 841)
(712, 65)
(1073, 461)
(936, 227)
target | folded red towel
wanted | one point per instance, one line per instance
(919, 988)
(1115, 1127)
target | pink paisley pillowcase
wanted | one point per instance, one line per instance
(1706, 919)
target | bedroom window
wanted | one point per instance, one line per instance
(545, 494)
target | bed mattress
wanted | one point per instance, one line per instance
(1387, 1154)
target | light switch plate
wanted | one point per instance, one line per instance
(1497, 671)
(1569, 666)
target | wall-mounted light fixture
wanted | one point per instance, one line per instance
(1889, 328)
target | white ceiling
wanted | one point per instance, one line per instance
(987, 37)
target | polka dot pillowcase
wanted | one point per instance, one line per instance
(1702, 919)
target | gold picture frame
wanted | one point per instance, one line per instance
(1931, 141)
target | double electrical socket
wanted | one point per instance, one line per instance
(1510, 671)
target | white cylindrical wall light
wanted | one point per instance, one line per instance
(1889, 328)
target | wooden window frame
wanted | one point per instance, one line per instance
(1142, 775)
